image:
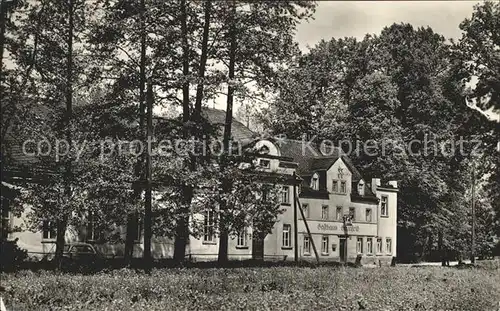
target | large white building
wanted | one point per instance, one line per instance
(329, 188)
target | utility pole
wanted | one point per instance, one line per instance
(308, 231)
(304, 219)
(473, 237)
(295, 232)
(347, 222)
(148, 195)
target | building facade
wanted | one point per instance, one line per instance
(346, 215)
(340, 214)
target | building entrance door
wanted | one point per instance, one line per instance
(258, 248)
(342, 250)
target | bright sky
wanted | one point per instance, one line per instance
(338, 19)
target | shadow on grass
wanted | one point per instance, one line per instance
(140, 265)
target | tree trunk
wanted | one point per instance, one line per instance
(185, 63)
(61, 226)
(129, 239)
(203, 61)
(226, 186)
(3, 17)
(441, 250)
(430, 246)
(63, 222)
(182, 230)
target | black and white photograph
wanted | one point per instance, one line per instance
(250, 155)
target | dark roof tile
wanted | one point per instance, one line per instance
(239, 132)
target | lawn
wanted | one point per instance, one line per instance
(276, 288)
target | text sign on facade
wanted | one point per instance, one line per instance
(334, 227)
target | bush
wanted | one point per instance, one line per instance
(12, 256)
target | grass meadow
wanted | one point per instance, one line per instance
(271, 288)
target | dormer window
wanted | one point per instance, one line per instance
(264, 150)
(315, 182)
(361, 188)
(264, 163)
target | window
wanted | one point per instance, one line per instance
(369, 246)
(338, 214)
(286, 242)
(352, 213)
(285, 195)
(265, 163)
(264, 150)
(383, 206)
(388, 245)
(307, 245)
(315, 182)
(359, 246)
(368, 215)
(242, 238)
(379, 246)
(324, 245)
(305, 209)
(93, 231)
(361, 189)
(49, 230)
(324, 212)
(343, 187)
(335, 186)
(209, 227)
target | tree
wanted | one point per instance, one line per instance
(115, 36)
(248, 114)
(392, 89)
(477, 54)
(53, 75)
(272, 23)
(479, 49)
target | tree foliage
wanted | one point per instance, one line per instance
(402, 93)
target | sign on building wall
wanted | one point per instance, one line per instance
(322, 227)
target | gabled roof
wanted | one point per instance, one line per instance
(22, 165)
(310, 159)
(239, 132)
(356, 175)
(368, 194)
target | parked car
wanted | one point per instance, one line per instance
(79, 254)
(83, 252)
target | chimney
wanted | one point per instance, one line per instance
(393, 183)
(375, 184)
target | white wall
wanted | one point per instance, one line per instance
(387, 226)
